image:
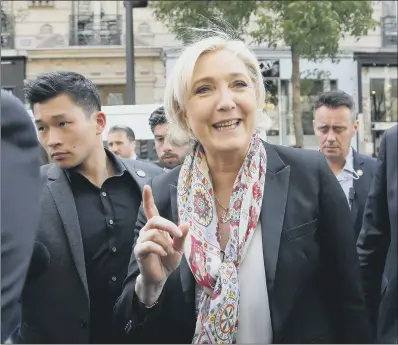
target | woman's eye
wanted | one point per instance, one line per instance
(202, 89)
(240, 84)
(63, 124)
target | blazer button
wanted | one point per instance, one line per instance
(83, 323)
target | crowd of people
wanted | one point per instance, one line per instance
(231, 240)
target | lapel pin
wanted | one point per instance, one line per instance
(140, 173)
(359, 172)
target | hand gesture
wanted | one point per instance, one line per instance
(159, 247)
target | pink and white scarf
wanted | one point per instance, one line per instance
(217, 321)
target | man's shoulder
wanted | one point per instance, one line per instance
(44, 169)
(297, 157)
(149, 168)
(167, 178)
(369, 161)
(392, 134)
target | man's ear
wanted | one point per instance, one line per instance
(100, 119)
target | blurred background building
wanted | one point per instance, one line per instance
(89, 37)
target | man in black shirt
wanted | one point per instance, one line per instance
(89, 205)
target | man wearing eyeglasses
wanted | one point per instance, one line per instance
(335, 125)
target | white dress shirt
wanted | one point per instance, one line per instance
(347, 175)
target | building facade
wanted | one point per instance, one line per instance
(13, 72)
(377, 79)
(87, 37)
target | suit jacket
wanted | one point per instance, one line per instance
(310, 261)
(377, 243)
(55, 302)
(361, 186)
(20, 191)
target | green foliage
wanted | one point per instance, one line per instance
(180, 16)
(312, 28)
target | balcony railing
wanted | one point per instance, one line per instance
(389, 31)
(90, 30)
(7, 31)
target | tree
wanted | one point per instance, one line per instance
(180, 15)
(312, 29)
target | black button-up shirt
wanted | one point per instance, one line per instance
(107, 217)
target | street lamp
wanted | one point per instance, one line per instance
(130, 75)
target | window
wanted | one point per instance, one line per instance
(41, 3)
(269, 68)
(112, 94)
(311, 89)
(115, 98)
(383, 100)
(144, 28)
(389, 8)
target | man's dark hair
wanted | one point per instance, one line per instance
(126, 129)
(336, 99)
(158, 117)
(81, 90)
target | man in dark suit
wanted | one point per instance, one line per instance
(20, 191)
(377, 243)
(90, 201)
(121, 141)
(335, 125)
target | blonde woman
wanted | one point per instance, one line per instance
(245, 242)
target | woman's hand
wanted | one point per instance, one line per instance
(158, 250)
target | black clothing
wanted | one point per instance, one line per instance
(56, 305)
(20, 210)
(310, 261)
(106, 218)
(378, 242)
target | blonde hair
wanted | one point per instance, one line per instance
(179, 81)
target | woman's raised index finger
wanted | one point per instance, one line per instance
(149, 206)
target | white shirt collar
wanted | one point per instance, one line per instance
(349, 161)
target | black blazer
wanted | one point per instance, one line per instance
(20, 212)
(378, 243)
(310, 261)
(362, 187)
(56, 300)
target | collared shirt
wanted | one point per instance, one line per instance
(107, 217)
(347, 175)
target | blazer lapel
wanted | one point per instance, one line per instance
(358, 165)
(186, 276)
(273, 212)
(139, 176)
(65, 203)
(174, 203)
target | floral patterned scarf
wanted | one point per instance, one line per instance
(217, 321)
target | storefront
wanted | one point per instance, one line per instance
(317, 77)
(377, 95)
